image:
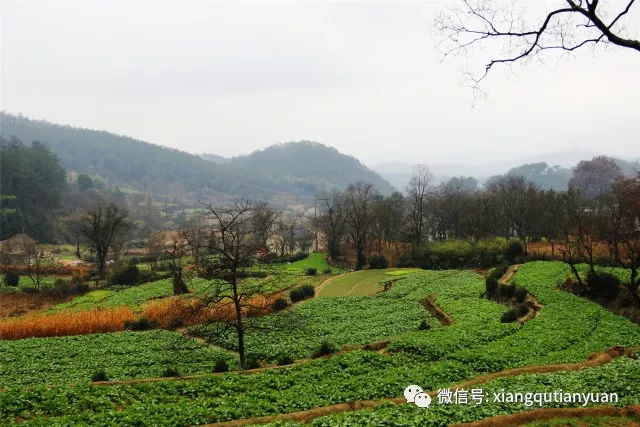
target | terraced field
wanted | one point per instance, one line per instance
(323, 391)
(360, 283)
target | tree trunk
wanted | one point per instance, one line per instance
(239, 323)
(633, 286)
(102, 263)
(360, 258)
(78, 248)
(575, 273)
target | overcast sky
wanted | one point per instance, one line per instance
(366, 78)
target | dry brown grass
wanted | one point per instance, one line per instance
(69, 323)
(172, 311)
(522, 418)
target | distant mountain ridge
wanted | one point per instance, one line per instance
(547, 175)
(141, 165)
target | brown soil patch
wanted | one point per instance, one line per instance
(596, 359)
(20, 304)
(526, 417)
(430, 305)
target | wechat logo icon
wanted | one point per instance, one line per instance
(414, 394)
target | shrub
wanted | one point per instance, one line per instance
(128, 276)
(520, 294)
(603, 284)
(455, 254)
(100, 375)
(522, 309)
(509, 316)
(142, 324)
(325, 348)
(28, 289)
(12, 279)
(284, 359)
(378, 262)
(515, 249)
(491, 285)
(424, 325)
(302, 292)
(221, 365)
(327, 270)
(312, 271)
(134, 260)
(61, 287)
(251, 362)
(506, 291)
(171, 371)
(279, 304)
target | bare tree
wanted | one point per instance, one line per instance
(331, 221)
(626, 207)
(417, 192)
(156, 247)
(264, 218)
(233, 242)
(103, 224)
(360, 203)
(595, 177)
(519, 201)
(517, 35)
(176, 249)
(36, 263)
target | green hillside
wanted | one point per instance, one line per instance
(294, 168)
(311, 163)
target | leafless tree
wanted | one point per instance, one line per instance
(233, 242)
(512, 32)
(331, 221)
(103, 224)
(36, 265)
(360, 204)
(417, 192)
(264, 218)
(625, 206)
(176, 248)
(156, 247)
(518, 199)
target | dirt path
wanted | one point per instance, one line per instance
(526, 417)
(506, 277)
(596, 359)
(429, 304)
(531, 301)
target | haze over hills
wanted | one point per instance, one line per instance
(550, 170)
(297, 169)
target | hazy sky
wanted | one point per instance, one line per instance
(229, 78)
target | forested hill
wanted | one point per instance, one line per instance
(126, 161)
(310, 162)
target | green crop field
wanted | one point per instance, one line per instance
(568, 329)
(360, 283)
(123, 355)
(314, 260)
(342, 321)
